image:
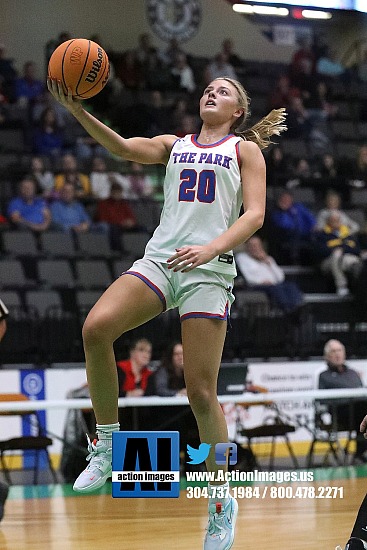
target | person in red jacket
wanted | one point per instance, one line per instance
(117, 213)
(133, 373)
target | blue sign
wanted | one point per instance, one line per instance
(32, 383)
(146, 464)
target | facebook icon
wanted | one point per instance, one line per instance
(226, 453)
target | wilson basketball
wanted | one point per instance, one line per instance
(81, 65)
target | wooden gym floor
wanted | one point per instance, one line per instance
(52, 517)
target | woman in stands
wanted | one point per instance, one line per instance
(188, 264)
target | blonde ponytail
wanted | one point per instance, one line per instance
(262, 131)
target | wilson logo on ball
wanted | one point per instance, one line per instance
(96, 67)
(75, 56)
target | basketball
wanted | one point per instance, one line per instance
(81, 65)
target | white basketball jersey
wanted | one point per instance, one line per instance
(203, 197)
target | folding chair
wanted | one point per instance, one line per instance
(37, 443)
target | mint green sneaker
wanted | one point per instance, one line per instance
(98, 470)
(221, 525)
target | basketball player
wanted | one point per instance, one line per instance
(188, 263)
(358, 537)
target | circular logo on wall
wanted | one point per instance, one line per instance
(174, 18)
(33, 383)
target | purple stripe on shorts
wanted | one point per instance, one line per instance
(204, 314)
(151, 285)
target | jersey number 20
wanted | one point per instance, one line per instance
(197, 185)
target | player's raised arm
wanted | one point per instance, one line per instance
(144, 150)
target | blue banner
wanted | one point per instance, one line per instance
(32, 384)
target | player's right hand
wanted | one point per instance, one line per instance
(66, 99)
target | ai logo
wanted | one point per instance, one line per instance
(174, 18)
(145, 465)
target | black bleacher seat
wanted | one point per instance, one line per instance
(134, 243)
(86, 299)
(55, 244)
(347, 149)
(11, 140)
(13, 276)
(344, 129)
(55, 273)
(94, 245)
(43, 300)
(20, 243)
(11, 298)
(93, 274)
(358, 198)
(119, 266)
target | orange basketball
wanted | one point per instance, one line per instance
(81, 65)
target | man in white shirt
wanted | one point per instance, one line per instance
(261, 272)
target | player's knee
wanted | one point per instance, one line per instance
(95, 329)
(200, 398)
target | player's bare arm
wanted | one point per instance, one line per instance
(144, 150)
(253, 175)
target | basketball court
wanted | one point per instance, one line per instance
(52, 517)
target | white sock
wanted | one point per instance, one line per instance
(105, 431)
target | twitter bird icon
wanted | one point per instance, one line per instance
(198, 456)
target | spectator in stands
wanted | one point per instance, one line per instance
(282, 93)
(301, 172)
(101, 179)
(333, 203)
(48, 139)
(140, 184)
(117, 214)
(160, 118)
(144, 50)
(4, 489)
(218, 67)
(8, 74)
(327, 65)
(232, 58)
(182, 74)
(70, 174)
(43, 177)
(298, 120)
(337, 376)
(292, 225)
(128, 70)
(261, 272)
(303, 60)
(339, 252)
(27, 211)
(157, 75)
(359, 168)
(169, 378)
(133, 374)
(277, 167)
(69, 214)
(28, 88)
(173, 51)
(327, 167)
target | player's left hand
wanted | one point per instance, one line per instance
(189, 257)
